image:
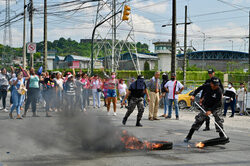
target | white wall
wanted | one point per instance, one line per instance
(50, 64)
(164, 62)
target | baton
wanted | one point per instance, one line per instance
(212, 120)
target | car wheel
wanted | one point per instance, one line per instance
(182, 104)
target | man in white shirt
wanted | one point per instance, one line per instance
(173, 87)
(241, 97)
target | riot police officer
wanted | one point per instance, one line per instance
(135, 98)
(212, 101)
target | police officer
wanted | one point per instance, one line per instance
(212, 101)
(135, 97)
(211, 74)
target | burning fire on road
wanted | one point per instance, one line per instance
(133, 143)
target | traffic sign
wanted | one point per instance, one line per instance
(31, 48)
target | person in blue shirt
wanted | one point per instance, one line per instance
(18, 91)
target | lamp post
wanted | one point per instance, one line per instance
(232, 44)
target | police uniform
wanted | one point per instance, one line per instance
(136, 98)
(207, 118)
(212, 102)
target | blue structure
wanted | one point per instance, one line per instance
(71, 58)
(216, 55)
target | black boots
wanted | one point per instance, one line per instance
(124, 121)
(138, 124)
(189, 136)
(206, 129)
(221, 135)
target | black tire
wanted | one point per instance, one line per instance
(182, 104)
(165, 145)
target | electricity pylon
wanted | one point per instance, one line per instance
(114, 36)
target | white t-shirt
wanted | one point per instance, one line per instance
(59, 82)
(171, 85)
(122, 89)
(241, 94)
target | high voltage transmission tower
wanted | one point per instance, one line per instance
(7, 36)
(110, 39)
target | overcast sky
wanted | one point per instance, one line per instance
(222, 21)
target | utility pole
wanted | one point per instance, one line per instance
(24, 34)
(31, 32)
(185, 49)
(173, 55)
(45, 63)
(113, 37)
(249, 47)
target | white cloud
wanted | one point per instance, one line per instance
(151, 6)
(139, 25)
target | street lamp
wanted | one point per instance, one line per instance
(232, 44)
(203, 54)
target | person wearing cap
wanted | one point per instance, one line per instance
(70, 91)
(230, 99)
(211, 73)
(135, 96)
(211, 103)
(173, 88)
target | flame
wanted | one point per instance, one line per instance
(200, 145)
(134, 143)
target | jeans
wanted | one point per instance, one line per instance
(17, 100)
(85, 98)
(3, 95)
(32, 96)
(232, 105)
(98, 95)
(165, 102)
(170, 107)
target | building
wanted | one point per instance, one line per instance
(70, 61)
(221, 60)
(128, 62)
(163, 51)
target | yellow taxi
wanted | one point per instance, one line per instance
(184, 98)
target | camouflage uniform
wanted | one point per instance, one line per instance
(133, 102)
(201, 117)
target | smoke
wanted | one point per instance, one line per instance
(74, 129)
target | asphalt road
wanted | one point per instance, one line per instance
(18, 147)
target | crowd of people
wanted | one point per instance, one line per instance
(73, 90)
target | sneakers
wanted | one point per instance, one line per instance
(187, 139)
(114, 114)
(177, 117)
(168, 117)
(5, 110)
(231, 116)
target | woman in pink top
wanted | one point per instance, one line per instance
(112, 95)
